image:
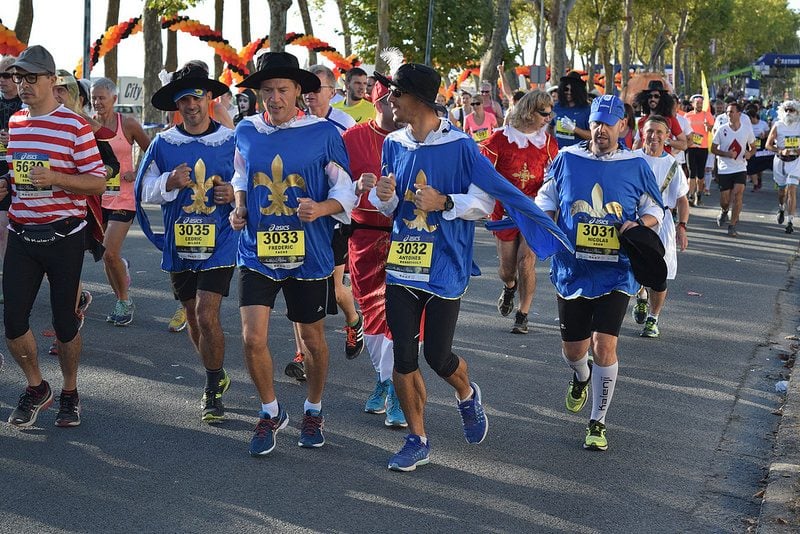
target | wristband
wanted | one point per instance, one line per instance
(681, 223)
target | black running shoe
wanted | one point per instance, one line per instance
(354, 343)
(69, 410)
(520, 323)
(295, 368)
(505, 304)
(29, 406)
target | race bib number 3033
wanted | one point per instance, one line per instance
(281, 249)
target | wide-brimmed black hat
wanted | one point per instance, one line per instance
(189, 77)
(656, 85)
(572, 76)
(646, 252)
(281, 65)
(415, 79)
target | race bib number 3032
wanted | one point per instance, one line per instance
(410, 260)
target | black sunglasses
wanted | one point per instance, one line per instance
(30, 77)
(544, 114)
(477, 103)
(397, 93)
(5, 75)
(654, 96)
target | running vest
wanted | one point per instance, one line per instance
(119, 193)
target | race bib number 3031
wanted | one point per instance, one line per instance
(597, 240)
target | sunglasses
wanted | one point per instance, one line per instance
(790, 110)
(5, 75)
(30, 77)
(397, 93)
(654, 96)
(485, 92)
(544, 114)
(477, 103)
(321, 87)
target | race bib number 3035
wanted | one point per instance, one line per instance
(195, 237)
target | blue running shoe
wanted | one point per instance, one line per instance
(376, 403)
(413, 453)
(476, 425)
(395, 417)
(266, 429)
(311, 430)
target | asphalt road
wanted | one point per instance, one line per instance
(691, 427)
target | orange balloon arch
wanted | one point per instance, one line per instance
(9, 44)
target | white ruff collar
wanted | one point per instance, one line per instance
(262, 126)
(174, 136)
(537, 139)
(444, 134)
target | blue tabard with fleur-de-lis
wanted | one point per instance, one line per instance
(193, 211)
(283, 165)
(595, 194)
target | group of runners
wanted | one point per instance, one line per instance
(385, 184)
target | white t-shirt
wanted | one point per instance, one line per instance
(761, 128)
(680, 155)
(678, 187)
(729, 140)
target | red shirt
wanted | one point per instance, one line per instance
(61, 140)
(523, 167)
(364, 144)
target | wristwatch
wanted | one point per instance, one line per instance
(681, 223)
(448, 203)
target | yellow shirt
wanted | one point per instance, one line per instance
(361, 112)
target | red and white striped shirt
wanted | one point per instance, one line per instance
(61, 139)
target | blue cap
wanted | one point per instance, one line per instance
(195, 92)
(607, 109)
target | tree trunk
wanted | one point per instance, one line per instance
(558, 36)
(110, 59)
(383, 34)
(348, 43)
(494, 54)
(277, 24)
(24, 20)
(153, 51)
(307, 28)
(604, 43)
(246, 37)
(680, 37)
(625, 66)
(219, 6)
(171, 61)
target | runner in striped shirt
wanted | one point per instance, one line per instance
(54, 164)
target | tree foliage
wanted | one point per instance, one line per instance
(460, 32)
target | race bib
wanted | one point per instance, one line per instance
(597, 240)
(792, 142)
(697, 138)
(480, 135)
(112, 185)
(563, 132)
(23, 163)
(195, 237)
(281, 247)
(410, 260)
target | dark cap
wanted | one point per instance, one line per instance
(36, 60)
(656, 85)
(646, 252)
(282, 65)
(190, 77)
(415, 79)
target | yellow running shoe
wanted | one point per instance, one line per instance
(178, 321)
(595, 436)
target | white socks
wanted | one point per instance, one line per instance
(603, 381)
(270, 408)
(581, 367)
(316, 406)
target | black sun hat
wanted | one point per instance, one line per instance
(189, 78)
(273, 65)
(646, 252)
(415, 79)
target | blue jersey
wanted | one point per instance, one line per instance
(197, 233)
(578, 115)
(281, 165)
(593, 196)
(434, 254)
